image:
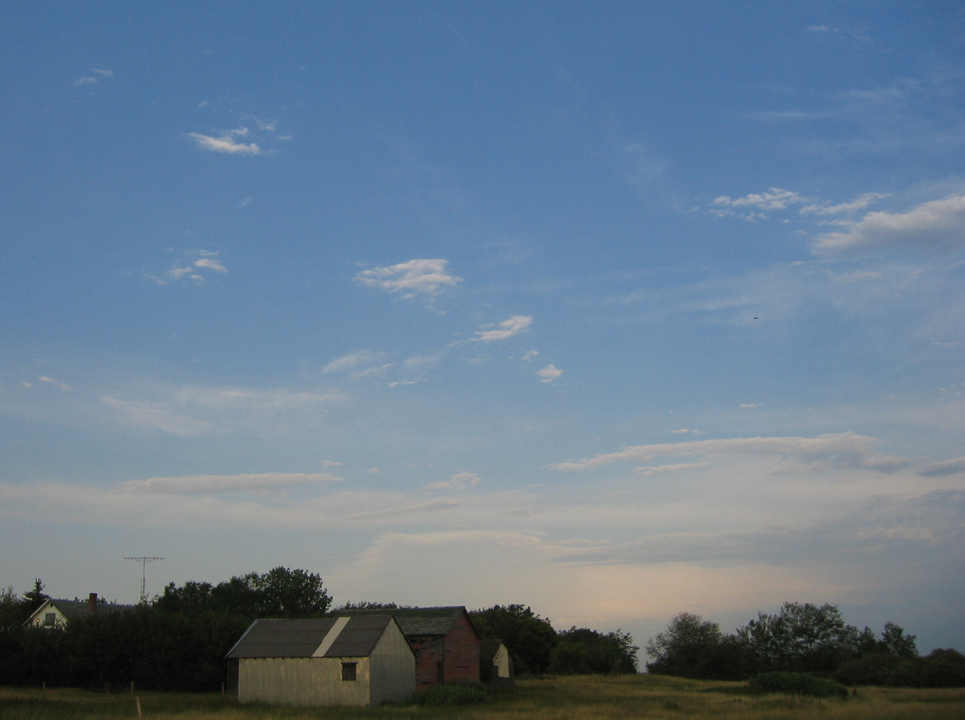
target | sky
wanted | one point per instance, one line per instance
(615, 310)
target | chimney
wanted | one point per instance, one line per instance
(92, 602)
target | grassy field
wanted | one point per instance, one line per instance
(607, 698)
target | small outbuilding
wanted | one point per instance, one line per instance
(496, 664)
(357, 660)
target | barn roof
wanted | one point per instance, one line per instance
(314, 637)
(419, 622)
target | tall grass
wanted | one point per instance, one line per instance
(562, 698)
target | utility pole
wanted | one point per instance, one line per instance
(144, 561)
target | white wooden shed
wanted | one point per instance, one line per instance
(322, 661)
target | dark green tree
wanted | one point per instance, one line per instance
(689, 647)
(529, 638)
(800, 638)
(580, 651)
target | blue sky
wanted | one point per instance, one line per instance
(615, 311)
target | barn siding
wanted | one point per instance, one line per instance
(302, 681)
(429, 655)
(393, 667)
(462, 652)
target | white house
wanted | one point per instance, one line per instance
(57, 613)
(358, 660)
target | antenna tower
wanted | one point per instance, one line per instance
(144, 561)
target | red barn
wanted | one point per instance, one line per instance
(444, 641)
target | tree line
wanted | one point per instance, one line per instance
(802, 638)
(178, 641)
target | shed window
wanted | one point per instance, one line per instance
(349, 671)
(50, 618)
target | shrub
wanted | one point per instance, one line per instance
(451, 694)
(872, 669)
(798, 684)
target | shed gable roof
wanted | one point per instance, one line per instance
(301, 638)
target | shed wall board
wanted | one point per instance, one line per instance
(393, 667)
(302, 681)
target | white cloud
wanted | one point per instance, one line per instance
(210, 264)
(549, 373)
(106, 72)
(86, 80)
(190, 267)
(53, 382)
(198, 484)
(848, 448)
(949, 467)
(528, 357)
(353, 360)
(859, 203)
(191, 411)
(932, 224)
(427, 277)
(773, 199)
(417, 509)
(506, 329)
(665, 469)
(225, 144)
(459, 481)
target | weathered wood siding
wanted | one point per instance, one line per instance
(302, 681)
(392, 667)
(462, 652)
(429, 658)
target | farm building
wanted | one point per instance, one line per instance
(57, 613)
(496, 664)
(322, 661)
(444, 640)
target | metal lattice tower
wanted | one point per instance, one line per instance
(144, 561)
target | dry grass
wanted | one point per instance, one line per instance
(563, 698)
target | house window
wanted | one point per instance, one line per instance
(349, 671)
(50, 619)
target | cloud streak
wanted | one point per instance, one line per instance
(225, 144)
(505, 330)
(414, 278)
(932, 224)
(848, 448)
(204, 484)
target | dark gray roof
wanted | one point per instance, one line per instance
(419, 622)
(77, 609)
(301, 638)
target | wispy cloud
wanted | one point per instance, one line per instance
(100, 74)
(204, 484)
(756, 205)
(848, 448)
(226, 143)
(417, 509)
(353, 360)
(191, 267)
(419, 277)
(549, 373)
(459, 481)
(506, 329)
(932, 224)
(53, 382)
(192, 411)
(949, 467)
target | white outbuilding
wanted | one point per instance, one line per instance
(348, 660)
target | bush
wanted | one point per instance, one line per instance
(798, 684)
(872, 669)
(451, 694)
